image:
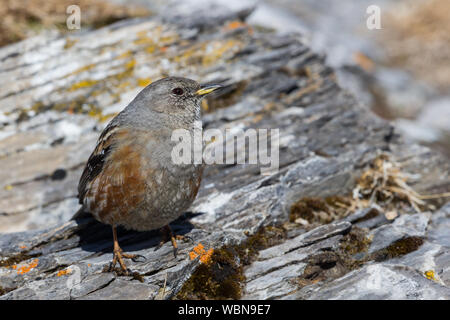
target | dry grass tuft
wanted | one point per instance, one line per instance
(382, 185)
(21, 19)
(418, 39)
(386, 185)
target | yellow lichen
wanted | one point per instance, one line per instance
(126, 54)
(83, 84)
(205, 105)
(150, 49)
(69, 43)
(82, 69)
(130, 64)
(124, 84)
(143, 82)
(429, 274)
(217, 50)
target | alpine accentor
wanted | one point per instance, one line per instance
(130, 178)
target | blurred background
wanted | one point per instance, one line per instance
(401, 71)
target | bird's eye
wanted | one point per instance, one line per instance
(178, 91)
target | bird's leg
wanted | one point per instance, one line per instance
(119, 255)
(168, 234)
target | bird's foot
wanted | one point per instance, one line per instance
(119, 257)
(168, 235)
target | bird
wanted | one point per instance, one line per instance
(130, 179)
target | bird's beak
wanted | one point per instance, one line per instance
(206, 89)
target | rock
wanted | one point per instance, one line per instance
(275, 82)
(439, 226)
(377, 281)
(120, 289)
(270, 278)
(406, 226)
(306, 239)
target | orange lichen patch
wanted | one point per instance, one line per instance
(363, 61)
(64, 272)
(206, 258)
(143, 82)
(27, 268)
(199, 248)
(22, 247)
(199, 251)
(192, 255)
(234, 25)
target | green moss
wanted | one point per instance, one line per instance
(223, 276)
(356, 241)
(398, 248)
(5, 290)
(320, 210)
(330, 265)
(17, 259)
(219, 279)
(305, 208)
(23, 116)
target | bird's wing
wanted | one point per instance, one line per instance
(97, 159)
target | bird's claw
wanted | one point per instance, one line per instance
(137, 257)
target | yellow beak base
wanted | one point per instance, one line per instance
(207, 89)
